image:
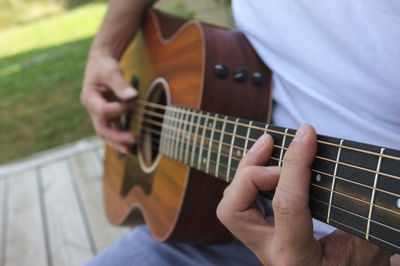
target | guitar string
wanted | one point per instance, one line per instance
(275, 146)
(341, 178)
(314, 170)
(191, 112)
(334, 206)
(336, 192)
(353, 228)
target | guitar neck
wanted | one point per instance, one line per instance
(354, 186)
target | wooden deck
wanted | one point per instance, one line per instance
(51, 208)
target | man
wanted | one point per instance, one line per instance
(330, 58)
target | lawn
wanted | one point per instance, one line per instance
(41, 69)
(43, 52)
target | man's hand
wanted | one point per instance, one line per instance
(106, 95)
(287, 238)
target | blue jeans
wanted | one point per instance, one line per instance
(139, 248)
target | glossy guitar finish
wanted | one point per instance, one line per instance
(195, 82)
(178, 202)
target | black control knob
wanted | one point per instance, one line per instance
(221, 71)
(241, 75)
(259, 79)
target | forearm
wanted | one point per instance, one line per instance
(119, 26)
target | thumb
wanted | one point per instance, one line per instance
(115, 81)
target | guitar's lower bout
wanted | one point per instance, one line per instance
(174, 63)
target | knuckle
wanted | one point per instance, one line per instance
(291, 159)
(222, 213)
(112, 73)
(283, 205)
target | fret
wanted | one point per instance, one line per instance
(281, 140)
(242, 134)
(385, 218)
(210, 144)
(228, 170)
(164, 135)
(333, 181)
(219, 133)
(282, 147)
(202, 141)
(194, 147)
(169, 133)
(247, 138)
(354, 187)
(349, 222)
(266, 129)
(225, 147)
(378, 168)
(256, 132)
(384, 228)
(184, 134)
(172, 134)
(322, 174)
(178, 133)
(351, 162)
(220, 146)
(192, 116)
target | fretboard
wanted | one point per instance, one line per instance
(354, 186)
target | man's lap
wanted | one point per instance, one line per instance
(139, 248)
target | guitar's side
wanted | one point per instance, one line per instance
(177, 202)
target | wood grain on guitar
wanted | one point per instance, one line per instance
(181, 203)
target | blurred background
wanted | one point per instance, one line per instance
(43, 49)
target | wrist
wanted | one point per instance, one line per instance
(120, 24)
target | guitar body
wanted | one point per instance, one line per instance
(174, 62)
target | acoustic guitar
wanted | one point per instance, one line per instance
(204, 98)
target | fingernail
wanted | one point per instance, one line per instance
(259, 144)
(128, 93)
(274, 170)
(301, 132)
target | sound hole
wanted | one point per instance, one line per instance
(153, 113)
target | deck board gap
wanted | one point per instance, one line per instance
(81, 206)
(43, 213)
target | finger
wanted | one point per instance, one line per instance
(293, 222)
(100, 107)
(118, 146)
(113, 78)
(259, 152)
(104, 130)
(249, 174)
(237, 209)
(248, 182)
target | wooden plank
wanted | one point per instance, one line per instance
(25, 234)
(3, 218)
(68, 240)
(88, 173)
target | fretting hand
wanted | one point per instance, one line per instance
(287, 238)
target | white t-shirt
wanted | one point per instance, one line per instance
(336, 65)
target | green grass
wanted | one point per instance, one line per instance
(41, 70)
